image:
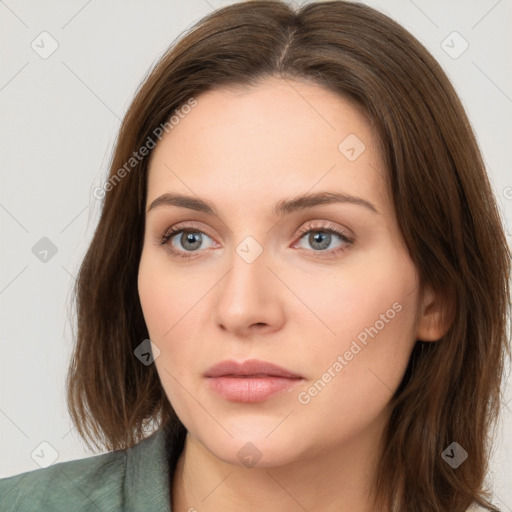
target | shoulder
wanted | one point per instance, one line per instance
(111, 481)
(80, 483)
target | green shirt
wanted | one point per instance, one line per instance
(135, 479)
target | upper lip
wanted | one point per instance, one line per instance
(251, 367)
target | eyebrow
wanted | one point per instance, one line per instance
(282, 207)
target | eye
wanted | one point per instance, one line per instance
(186, 241)
(320, 238)
(189, 241)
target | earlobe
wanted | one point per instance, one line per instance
(435, 315)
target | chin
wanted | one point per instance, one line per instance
(253, 447)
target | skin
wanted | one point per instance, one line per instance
(295, 305)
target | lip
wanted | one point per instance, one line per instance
(251, 367)
(250, 381)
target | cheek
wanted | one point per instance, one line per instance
(153, 298)
(357, 371)
(370, 306)
(371, 301)
(168, 297)
(163, 303)
(172, 305)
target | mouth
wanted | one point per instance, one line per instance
(250, 381)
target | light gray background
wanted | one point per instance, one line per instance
(59, 117)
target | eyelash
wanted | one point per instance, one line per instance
(311, 227)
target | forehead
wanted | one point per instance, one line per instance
(278, 137)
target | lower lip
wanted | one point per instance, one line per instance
(251, 389)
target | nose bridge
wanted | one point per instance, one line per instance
(245, 283)
(248, 294)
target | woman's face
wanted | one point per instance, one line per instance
(276, 270)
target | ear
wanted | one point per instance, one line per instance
(436, 313)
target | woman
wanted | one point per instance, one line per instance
(333, 337)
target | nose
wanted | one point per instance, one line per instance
(249, 299)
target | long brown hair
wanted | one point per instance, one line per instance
(446, 212)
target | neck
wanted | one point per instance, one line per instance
(331, 480)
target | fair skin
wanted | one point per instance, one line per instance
(299, 304)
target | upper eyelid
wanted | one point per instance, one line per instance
(177, 228)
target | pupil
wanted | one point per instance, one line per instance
(194, 239)
(320, 238)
